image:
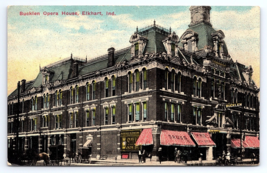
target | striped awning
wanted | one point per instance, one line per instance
(145, 138)
(87, 143)
(235, 143)
(252, 142)
(176, 138)
(203, 139)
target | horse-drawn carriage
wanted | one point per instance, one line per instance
(56, 154)
(84, 154)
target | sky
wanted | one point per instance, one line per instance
(35, 41)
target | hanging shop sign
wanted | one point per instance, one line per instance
(233, 105)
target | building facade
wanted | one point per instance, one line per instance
(160, 82)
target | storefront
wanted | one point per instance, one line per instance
(128, 139)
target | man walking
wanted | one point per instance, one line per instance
(140, 156)
(160, 154)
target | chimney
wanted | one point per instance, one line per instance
(200, 14)
(111, 56)
(22, 88)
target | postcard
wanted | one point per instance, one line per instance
(133, 85)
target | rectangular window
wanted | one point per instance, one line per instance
(113, 86)
(76, 119)
(130, 112)
(43, 121)
(88, 92)
(87, 118)
(223, 91)
(60, 98)
(194, 115)
(11, 127)
(172, 112)
(77, 94)
(199, 85)
(106, 115)
(106, 87)
(178, 85)
(199, 114)
(179, 113)
(22, 125)
(56, 98)
(113, 114)
(145, 111)
(166, 112)
(71, 120)
(44, 101)
(212, 88)
(59, 121)
(137, 111)
(93, 117)
(195, 87)
(137, 80)
(35, 124)
(35, 103)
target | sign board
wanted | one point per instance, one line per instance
(233, 105)
(128, 140)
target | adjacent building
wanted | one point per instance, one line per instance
(163, 90)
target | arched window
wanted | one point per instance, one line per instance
(35, 102)
(172, 81)
(166, 75)
(249, 100)
(113, 85)
(32, 105)
(76, 119)
(106, 87)
(113, 115)
(137, 80)
(77, 93)
(130, 81)
(87, 118)
(195, 86)
(47, 100)
(178, 82)
(106, 116)
(144, 79)
(44, 101)
(199, 87)
(60, 98)
(56, 98)
(71, 95)
(94, 90)
(87, 91)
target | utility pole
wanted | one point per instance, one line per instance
(17, 124)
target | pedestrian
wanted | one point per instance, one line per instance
(160, 154)
(179, 153)
(175, 155)
(227, 158)
(140, 155)
(144, 156)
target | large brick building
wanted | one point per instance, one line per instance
(160, 82)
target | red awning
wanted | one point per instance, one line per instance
(176, 138)
(235, 143)
(145, 138)
(252, 142)
(203, 139)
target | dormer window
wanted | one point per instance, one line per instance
(190, 40)
(136, 49)
(172, 49)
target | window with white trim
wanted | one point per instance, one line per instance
(130, 112)
(145, 111)
(137, 112)
(106, 116)
(113, 114)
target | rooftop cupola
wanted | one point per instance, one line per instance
(200, 14)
